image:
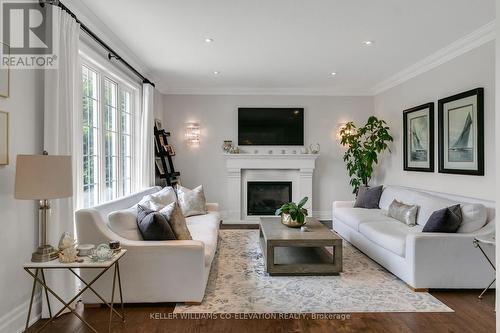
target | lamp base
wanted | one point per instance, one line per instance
(44, 253)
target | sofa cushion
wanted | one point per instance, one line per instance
(474, 217)
(153, 225)
(211, 218)
(353, 217)
(368, 197)
(207, 233)
(124, 223)
(391, 235)
(160, 199)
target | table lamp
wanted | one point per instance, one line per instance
(43, 177)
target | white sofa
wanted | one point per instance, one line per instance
(422, 260)
(153, 271)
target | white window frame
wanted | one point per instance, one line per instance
(105, 70)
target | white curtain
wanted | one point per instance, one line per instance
(147, 153)
(62, 105)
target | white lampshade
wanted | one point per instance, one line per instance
(40, 177)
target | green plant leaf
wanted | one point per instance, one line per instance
(302, 202)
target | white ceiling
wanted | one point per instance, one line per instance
(288, 46)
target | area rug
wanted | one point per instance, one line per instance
(238, 283)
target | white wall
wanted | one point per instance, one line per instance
(218, 118)
(19, 219)
(470, 70)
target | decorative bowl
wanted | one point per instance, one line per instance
(287, 220)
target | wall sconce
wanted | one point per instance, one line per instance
(193, 134)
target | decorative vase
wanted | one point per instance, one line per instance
(314, 148)
(286, 219)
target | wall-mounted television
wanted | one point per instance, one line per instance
(270, 126)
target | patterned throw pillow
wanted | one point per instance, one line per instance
(404, 213)
(177, 221)
(192, 202)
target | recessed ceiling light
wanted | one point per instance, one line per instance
(209, 40)
(368, 42)
(333, 73)
(216, 72)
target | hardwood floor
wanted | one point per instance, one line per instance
(471, 315)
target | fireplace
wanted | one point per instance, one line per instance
(263, 198)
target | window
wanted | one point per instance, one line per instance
(108, 126)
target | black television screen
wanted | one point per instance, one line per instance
(271, 126)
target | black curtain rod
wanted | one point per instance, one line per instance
(111, 53)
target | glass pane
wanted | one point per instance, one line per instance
(125, 166)
(125, 123)
(110, 144)
(110, 93)
(126, 184)
(111, 191)
(110, 118)
(125, 149)
(125, 101)
(90, 195)
(110, 169)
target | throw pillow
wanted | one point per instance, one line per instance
(177, 221)
(474, 217)
(124, 223)
(192, 202)
(160, 199)
(444, 220)
(153, 225)
(368, 197)
(404, 213)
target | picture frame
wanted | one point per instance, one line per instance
(418, 138)
(158, 124)
(170, 150)
(4, 138)
(4, 72)
(461, 133)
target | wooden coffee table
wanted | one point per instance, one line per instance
(290, 251)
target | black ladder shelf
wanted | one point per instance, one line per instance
(164, 166)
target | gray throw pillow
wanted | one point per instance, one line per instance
(192, 202)
(177, 221)
(444, 220)
(152, 225)
(368, 197)
(404, 213)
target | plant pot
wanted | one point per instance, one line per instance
(287, 220)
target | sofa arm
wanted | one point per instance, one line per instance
(212, 206)
(451, 257)
(343, 204)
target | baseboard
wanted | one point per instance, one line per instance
(15, 319)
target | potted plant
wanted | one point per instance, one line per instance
(363, 146)
(293, 215)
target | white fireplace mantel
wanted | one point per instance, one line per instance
(300, 167)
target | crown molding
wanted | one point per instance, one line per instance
(263, 92)
(484, 34)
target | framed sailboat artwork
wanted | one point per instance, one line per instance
(461, 133)
(418, 138)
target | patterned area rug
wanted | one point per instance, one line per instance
(239, 284)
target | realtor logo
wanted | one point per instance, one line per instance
(27, 28)
(27, 33)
